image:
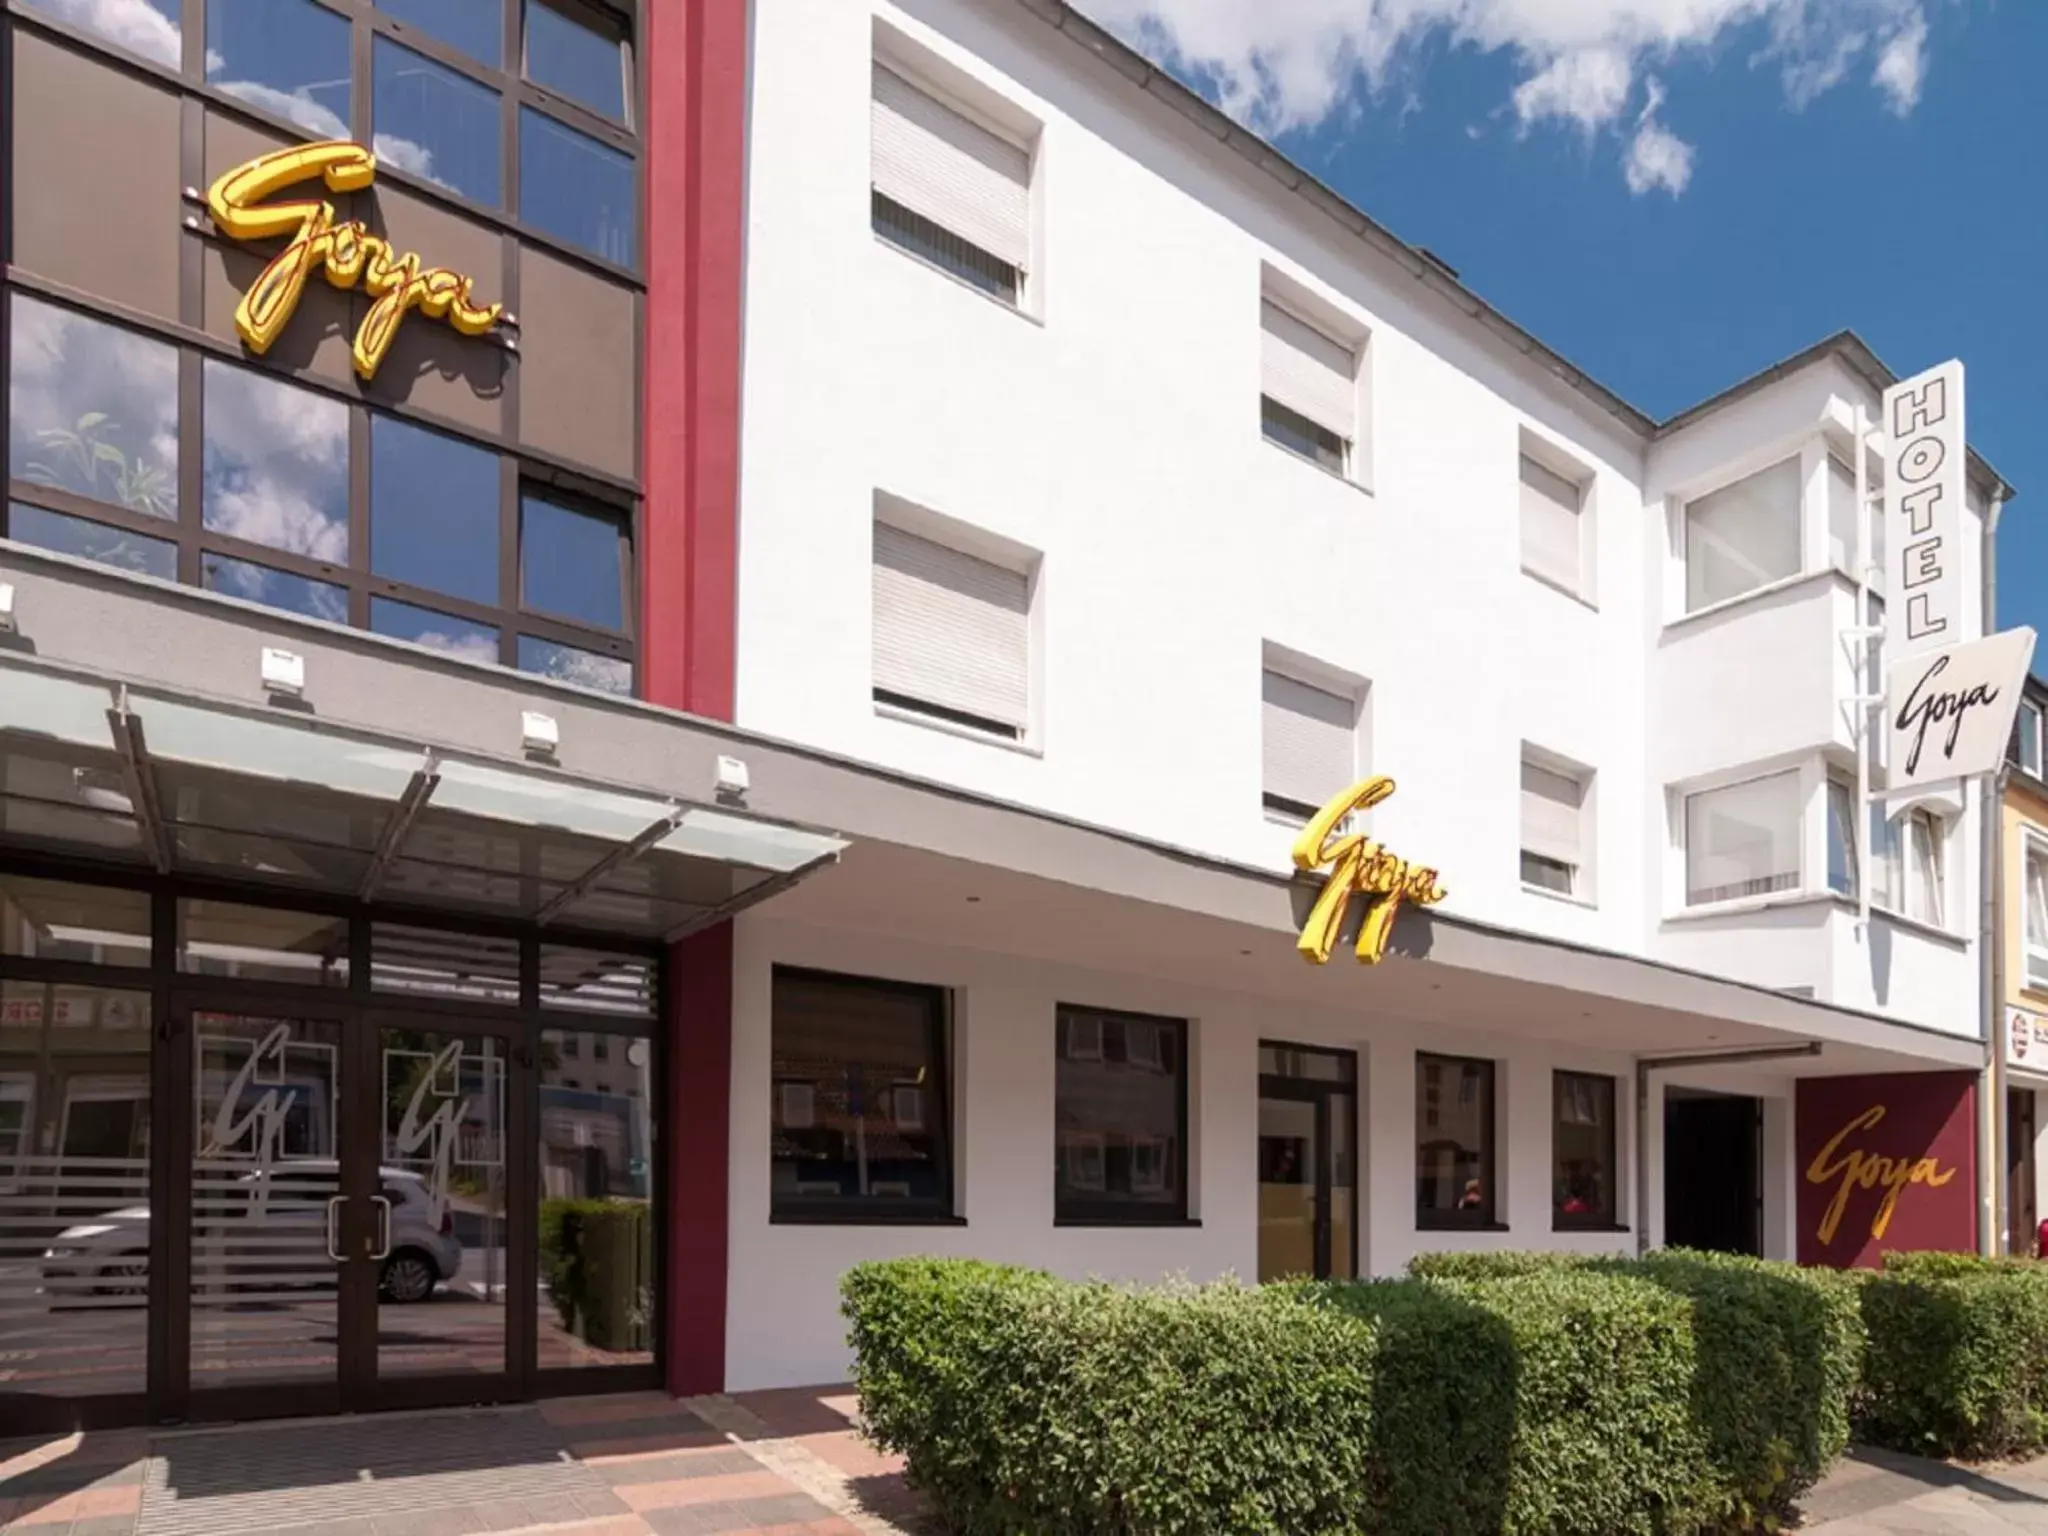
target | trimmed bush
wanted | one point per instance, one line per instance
(1495, 1265)
(597, 1259)
(1958, 1356)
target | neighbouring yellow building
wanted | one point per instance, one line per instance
(2023, 969)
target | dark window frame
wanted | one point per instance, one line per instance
(1105, 1211)
(1607, 1219)
(1486, 1215)
(871, 1210)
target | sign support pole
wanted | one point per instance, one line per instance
(1870, 694)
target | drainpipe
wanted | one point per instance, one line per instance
(1994, 1216)
(1645, 1065)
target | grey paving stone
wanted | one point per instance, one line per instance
(674, 1465)
(98, 1525)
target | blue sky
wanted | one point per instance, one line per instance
(1884, 168)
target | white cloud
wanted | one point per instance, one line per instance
(136, 25)
(276, 463)
(1277, 65)
(1656, 157)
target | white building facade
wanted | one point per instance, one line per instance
(1103, 473)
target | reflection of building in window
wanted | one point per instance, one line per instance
(1454, 1173)
(1120, 1106)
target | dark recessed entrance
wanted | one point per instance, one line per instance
(1713, 1171)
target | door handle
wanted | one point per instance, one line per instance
(383, 1228)
(333, 1242)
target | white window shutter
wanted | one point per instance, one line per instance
(1552, 807)
(1311, 740)
(936, 162)
(1308, 372)
(950, 629)
(1550, 525)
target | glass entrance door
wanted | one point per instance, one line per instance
(348, 1239)
(1307, 1168)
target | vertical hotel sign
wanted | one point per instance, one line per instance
(1925, 457)
(344, 249)
(1357, 867)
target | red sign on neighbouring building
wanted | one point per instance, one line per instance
(1887, 1163)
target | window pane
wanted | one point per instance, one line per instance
(575, 57)
(1120, 1091)
(1453, 1141)
(276, 464)
(225, 938)
(147, 27)
(569, 563)
(1884, 859)
(1923, 894)
(858, 1114)
(290, 57)
(1582, 1150)
(597, 1222)
(433, 511)
(2037, 898)
(92, 409)
(436, 123)
(477, 27)
(274, 589)
(1742, 840)
(436, 631)
(91, 541)
(583, 669)
(1841, 838)
(576, 189)
(1296, 433)
(2030, 739)
(57, 920)
(1743, 536)
(596, 981)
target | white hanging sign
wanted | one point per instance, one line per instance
(1949, 713)
(2026, 1040)
(1924, 460)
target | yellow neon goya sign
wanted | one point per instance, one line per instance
(343, 248)
(1358, 866)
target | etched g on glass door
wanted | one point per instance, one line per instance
(266, 1208)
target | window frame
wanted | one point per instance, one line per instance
(2034, 845)
(1486, 1217)
(1105, 1210)
(1582, 887)
(1796, 457)
(1609, 1219)
(521, 472)
(1686, 795)
(2027, 726)
(1537, 454)
(871, 1210)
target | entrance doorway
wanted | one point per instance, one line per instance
(1308, 1196)
(2022, 1213)
(1713, 1171)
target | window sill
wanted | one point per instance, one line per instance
(863, 1219)
(1018, 309)
(1130, 1223)
(1564, 898)
(1322, 469)
(1742, 905)
(1460, 1226)
(1591, 605)
(896, 712)
(1753, 595)
(1935, 931)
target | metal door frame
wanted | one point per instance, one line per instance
(1319, 1092)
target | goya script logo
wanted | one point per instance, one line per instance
(1358, 866)
(344, 248)
(1852, 1170)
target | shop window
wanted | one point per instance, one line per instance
(567, 664)
(1455, 1182)
(1121, 1114)
(289, 58)
(436, 123)
(859, 1109)
(1308, 388)
(464, 639)
(577, 190)
(276, 464)
(1582, 1140)
(433, 511)
(1743, 536)
(951, 635)
(1308, 744)
(146, 27)
(92, 409)
(1554, 829)
(477, 27)
(1742, 839)
(577, 54)
(87, 540)
(1553, 526)
(573, 562)
(947, 189)
(273, 588)
(250, 943)
(62, 920)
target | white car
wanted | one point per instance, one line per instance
(108, 1255)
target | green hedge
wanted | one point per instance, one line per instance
(1958, 1356)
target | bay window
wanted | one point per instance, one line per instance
(1743, 536)
(1743, 839)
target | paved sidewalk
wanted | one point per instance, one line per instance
(636, 1465)
(1878, 1493)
